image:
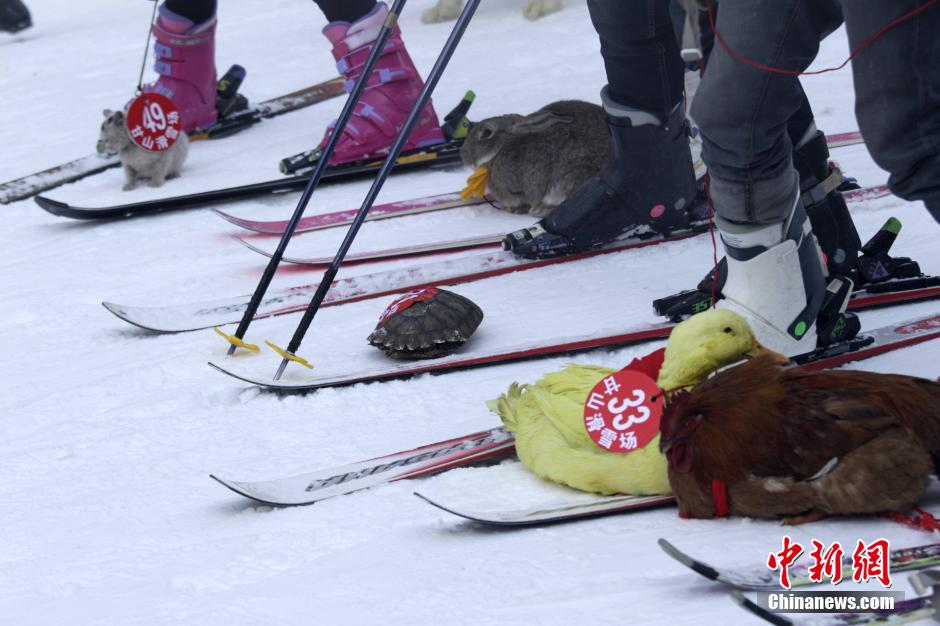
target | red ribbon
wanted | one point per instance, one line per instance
(720, 497)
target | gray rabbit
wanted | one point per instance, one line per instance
(536, 160)
(139, 163)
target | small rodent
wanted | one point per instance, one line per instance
(138, 163)
(536, 160)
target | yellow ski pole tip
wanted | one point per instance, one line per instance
(476, 184)
(290, 357)
(235, 341)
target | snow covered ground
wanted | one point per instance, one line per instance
(108, 433)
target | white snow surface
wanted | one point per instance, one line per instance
(108, 433)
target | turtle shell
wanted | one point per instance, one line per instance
(426, 324)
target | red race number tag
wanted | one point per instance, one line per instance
(153, 122)
(622, 412)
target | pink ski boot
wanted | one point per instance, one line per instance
(389, 95)
(185, 55)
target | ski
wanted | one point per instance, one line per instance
(453, 200)
(206, 314)
(312, 487)
(482, 241)
(199, 315)
(344, 218)
(442, 155)
(82, 167)
(582, 509)
(315, 486)
(764, 579)
(920, 609)
(378, 368)
(389, 254)
(839, 140)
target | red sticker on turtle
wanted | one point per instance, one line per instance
(153, 122)
(407, 300)
(623, 411)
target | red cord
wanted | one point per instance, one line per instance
(711, 231)
(921, 520)
(490, 202)
(777, 70)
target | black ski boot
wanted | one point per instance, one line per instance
(648, 187)
(820, 185)
(14, 16)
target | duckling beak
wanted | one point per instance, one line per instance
(760, 350)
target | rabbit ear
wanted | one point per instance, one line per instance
(539, 121)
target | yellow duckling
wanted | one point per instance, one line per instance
(548, 423)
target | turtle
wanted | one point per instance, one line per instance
(426, 324)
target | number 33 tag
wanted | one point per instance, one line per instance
(153, 122)
(622, 412)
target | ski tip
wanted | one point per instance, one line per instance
(51, 206)
(440, 506)
(749, 605)
(118, 311)
(426, 499)
(673, 551)
(237, 487)
(252, 247)
(696, 566)
(229, 218)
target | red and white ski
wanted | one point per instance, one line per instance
(427, 204)
(486, 241)
(320, 485)
(379, 368)
(315, 486)
(206, 314)
(344, 218)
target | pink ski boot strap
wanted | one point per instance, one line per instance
(391, 91)
(185, 61)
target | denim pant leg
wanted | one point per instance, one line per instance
(644, 68)
(800, 122)
(897, 93)
(744, 112)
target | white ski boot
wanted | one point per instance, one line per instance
(777, 280)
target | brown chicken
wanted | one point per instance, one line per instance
(783, 443)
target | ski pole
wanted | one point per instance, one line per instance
(439, 66)
(322, 164)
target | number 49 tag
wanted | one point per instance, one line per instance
(622, 412)
(153, 122)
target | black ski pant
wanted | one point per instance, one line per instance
(334, 10)
(743, 111)
(640, 45)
